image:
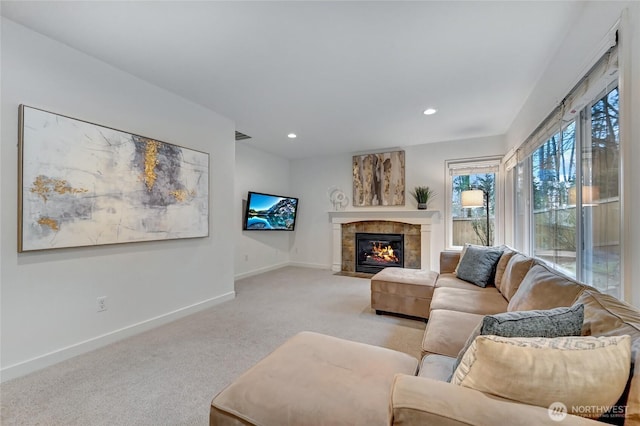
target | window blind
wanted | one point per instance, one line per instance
(510, 160)
(595, 81)
(473, 169)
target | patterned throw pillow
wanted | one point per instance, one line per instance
(582, 371)
(478, 265)
(557, 322)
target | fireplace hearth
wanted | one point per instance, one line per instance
(375, 252)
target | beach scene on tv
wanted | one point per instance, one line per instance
(270, 212)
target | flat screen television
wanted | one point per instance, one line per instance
(267, 212)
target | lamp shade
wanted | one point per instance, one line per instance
(472, 198)
(589, 195)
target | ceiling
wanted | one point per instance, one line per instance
(344, 76)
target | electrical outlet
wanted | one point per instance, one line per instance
(102, 303)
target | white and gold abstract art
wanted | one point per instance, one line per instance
(83, 184)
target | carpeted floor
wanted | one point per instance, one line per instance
(168, 376)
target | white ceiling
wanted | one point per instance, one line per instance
(344, 76)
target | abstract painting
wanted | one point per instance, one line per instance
(378, 179)
(82, 184)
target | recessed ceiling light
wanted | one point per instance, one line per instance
(292, 136)
(430, 111)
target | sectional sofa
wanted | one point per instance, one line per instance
(484, 379)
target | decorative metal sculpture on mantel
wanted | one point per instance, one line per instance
(378, 179)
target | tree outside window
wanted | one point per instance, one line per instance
(554, 213)
(556, 209)
(470, 224)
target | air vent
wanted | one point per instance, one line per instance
(241, 136)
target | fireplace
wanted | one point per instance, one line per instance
(375, 252)
(414, 224)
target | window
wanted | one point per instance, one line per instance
(521, 231)
(554, 217)
(471, 224)
(601, 218)
(566, 183)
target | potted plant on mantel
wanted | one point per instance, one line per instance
(423, 194)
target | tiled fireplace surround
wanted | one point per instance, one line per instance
(415, 225)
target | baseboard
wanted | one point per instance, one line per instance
(46, 360)
(260, 270)
(310, 265)
(278, 266)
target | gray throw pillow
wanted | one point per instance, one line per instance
(556, 322)
(478, 265)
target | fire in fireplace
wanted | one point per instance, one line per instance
(375, 252)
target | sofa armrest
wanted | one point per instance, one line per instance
(422, 401)
(449, 261)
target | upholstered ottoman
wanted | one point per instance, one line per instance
(403, 291)
(314, 379)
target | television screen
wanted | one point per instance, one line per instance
(267, 212)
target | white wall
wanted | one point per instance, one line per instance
(573, 59)
(575, 55)
(259, 171)
(49, 308)
(424, 165)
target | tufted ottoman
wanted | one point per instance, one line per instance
(403, 291)
(314, 379)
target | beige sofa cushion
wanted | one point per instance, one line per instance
(421, 401)
(474, 302)
(449, 261)
(507, 254)
(604, 315)
(579, 372)
(514, 272)
(314, 379)
(436, 367)
(544, 288)
(447, 331)
(451, 281)
(462, 253)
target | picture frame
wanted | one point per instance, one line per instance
(379, 179)
(84, 184)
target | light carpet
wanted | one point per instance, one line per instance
(168, 375)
